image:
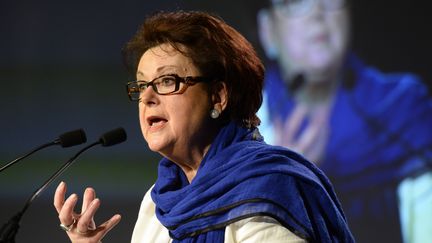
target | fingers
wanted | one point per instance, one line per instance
(85, 222)
(104, 228)
(304, 131)
(66, 214)
(279, 133)
(81, 227)
(313, 140)
(294, 122)
(310, 135)
(97, 234)
(317, 151)
(89, 196)
(59, 196)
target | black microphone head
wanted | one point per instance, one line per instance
(113, 137)
(72, 138)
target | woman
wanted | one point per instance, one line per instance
(367, 130)
(218, 180)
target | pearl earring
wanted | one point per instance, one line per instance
(214, 113)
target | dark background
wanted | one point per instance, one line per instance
(61, 69)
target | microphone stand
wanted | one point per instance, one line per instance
(66, 139)
(28, 154)
(9, 230)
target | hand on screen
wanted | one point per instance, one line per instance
(308, 138)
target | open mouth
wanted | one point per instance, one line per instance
(156, 121)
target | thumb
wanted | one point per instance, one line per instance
(104, 228)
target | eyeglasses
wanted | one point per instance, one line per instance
(164, 85)
(293, 8)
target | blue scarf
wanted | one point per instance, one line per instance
(242, 177)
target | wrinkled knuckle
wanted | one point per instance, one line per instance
(82, 225)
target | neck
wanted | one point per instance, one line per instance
(190, 172)
(316, 93)
(190, 154)
(318, 85)
(189, 161)
(317, 88)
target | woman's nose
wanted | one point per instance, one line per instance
(148, 96)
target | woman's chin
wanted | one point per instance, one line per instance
(156, 146)
(319, 60)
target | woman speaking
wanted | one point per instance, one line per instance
(198, 87)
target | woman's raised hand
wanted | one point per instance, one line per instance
(81, 227)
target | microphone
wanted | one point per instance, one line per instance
(10, 229)
(66, 139)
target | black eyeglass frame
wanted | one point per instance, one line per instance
(143, 85)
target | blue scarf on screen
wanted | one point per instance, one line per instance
(240, 177)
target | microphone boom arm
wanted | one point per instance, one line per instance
(28, 154)
(9, 230)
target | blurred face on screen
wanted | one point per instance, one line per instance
(306, 36)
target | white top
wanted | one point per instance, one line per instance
(253, 229)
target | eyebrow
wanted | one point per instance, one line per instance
(158, 70)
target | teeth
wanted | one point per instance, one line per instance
(155, 122)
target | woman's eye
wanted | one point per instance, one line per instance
(167, 81)
(142, 86)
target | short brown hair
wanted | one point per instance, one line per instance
(218, 51)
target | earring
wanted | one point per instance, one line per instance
(214, 113)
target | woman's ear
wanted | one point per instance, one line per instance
(266, 33)
(220, 96)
